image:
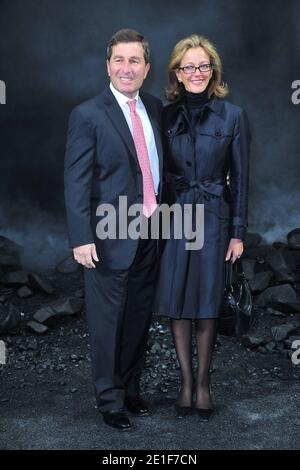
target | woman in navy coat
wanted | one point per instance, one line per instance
(207, 146)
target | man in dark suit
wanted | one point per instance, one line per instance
(114, 149)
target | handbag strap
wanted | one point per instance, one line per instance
(230, 269)
(228, 274)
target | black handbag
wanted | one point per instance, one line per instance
(238, 313)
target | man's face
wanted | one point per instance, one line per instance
(127, 68)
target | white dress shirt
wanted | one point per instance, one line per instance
(148, 131)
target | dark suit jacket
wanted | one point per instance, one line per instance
(100, 165)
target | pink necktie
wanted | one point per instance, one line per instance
(149, 199)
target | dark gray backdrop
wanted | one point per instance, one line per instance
(52, 56)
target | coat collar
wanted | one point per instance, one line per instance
(180, 117)
(214, 104)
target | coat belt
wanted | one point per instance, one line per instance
(205, 190)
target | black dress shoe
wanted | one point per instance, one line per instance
(182, 411)
(117, 419)
(205, 413)
(137, 406)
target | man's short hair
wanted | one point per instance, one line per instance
(128, 35)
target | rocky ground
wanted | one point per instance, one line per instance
(46, 395)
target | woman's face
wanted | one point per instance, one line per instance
(197, 81)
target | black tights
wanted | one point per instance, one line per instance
(205, 339)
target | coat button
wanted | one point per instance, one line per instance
(207, 197)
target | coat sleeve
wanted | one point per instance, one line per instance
(239, 176)
(78, 174)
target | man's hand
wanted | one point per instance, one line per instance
(235, 249)
(85, 254)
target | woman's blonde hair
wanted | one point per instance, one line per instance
(216, 86)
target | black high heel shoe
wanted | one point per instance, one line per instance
(182, 411)
(205, 413)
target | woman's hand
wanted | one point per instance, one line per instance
(235, 249)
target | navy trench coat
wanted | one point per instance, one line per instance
(207, 162)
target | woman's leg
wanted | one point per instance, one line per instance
(182, 336)
(205, 338)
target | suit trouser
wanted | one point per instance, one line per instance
(118, 309)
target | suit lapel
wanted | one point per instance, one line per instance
(116, 116)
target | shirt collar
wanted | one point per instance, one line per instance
(122, 99)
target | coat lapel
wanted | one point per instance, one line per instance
(116, 116)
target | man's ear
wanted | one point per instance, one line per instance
(108, 67)
(147, 70)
